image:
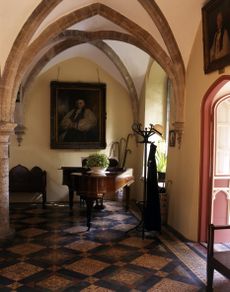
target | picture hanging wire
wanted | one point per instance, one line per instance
(58, 73)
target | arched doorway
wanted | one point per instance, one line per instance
(221, 167)
(215, 94)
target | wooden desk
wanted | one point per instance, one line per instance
(91, 185)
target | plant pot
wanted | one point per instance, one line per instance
(98, 170)
(161, 176)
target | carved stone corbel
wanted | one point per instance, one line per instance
(179, 129)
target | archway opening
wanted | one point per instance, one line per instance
(218, 90)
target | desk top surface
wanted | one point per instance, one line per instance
(109, 173)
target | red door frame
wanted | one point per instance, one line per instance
(206, 154)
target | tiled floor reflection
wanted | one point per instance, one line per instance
(52, 251)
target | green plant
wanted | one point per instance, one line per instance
(97, 160)
(161, 157)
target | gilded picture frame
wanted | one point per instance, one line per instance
(216, 35)
(172, 138)
(78, 115)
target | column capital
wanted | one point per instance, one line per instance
(179, 128)
(6, 128)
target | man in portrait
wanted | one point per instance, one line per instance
(79, 124)
(221, 42)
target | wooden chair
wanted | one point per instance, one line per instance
(23, 180)
(216, 260)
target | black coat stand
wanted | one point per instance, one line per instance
(146, 133)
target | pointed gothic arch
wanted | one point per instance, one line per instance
(43, 9)
(54, 31)
(206, 148)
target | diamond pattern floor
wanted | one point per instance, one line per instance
(52, 251)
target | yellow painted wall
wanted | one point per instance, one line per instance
(151, 111)
(155, 97)
(184, 163)
(12, 16)
(35, 148)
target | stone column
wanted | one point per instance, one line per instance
(5, 131)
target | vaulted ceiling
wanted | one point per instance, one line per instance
(135, 59)
(171, 25)
(183, 20)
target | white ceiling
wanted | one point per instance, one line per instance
(184, 17)
(132, 60)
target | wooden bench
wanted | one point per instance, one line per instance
(23, 180)
(216, 260)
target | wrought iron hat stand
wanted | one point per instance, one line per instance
(145, 133)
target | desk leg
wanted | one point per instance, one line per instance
(71, 193)
(127, 197)
(89, 206)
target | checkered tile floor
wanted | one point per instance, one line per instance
(52, 251)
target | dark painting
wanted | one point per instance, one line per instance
(216, 34)
(78, 115)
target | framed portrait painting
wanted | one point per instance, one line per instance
(216, 34)
(78, 115)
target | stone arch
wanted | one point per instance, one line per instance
(175, 55)
(151, 46)
(144, 37)
(166, 33)
(107, 50)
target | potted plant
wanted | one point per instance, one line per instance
(97, 162)
(161, 162)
